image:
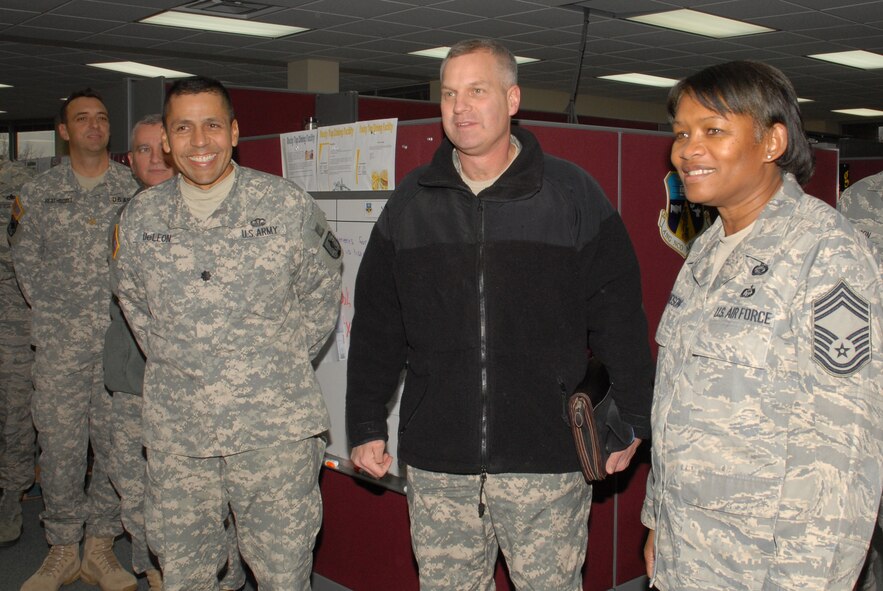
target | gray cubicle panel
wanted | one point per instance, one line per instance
(127, 102)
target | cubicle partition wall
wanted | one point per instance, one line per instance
(365, 543)
(860, 168)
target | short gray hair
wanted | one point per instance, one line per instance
(151, 119)
(505, 59)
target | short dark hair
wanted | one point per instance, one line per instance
(759, 91)
(197, 85)
(505, 59)
(86, 92)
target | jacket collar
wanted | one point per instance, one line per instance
(521, 180)
(231, 213)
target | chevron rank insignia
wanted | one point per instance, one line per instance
(841, 331)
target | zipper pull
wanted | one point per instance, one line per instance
(481, 505)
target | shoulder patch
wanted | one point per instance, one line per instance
(332, 246)
(17, 211)
(841, 331)
(116, 241)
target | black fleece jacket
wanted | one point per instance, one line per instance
(491, 303)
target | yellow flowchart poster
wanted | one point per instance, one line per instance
(357, 156)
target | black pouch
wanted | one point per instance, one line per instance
(597, 428)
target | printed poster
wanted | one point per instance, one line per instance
(299, 158)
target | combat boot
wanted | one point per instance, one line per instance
(154, 579)
(61, 567)
(10, 517)
(101, 567)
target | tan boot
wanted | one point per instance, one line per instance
(101, 567)
(61, 567)
(154, 579)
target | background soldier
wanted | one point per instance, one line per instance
(59, 230)
(16, 357)
(862, 203)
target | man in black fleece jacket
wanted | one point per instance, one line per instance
(489, 274)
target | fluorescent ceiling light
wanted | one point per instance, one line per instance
(5, 85)
(857, 59)
(642, 79)
(700, 23)
(442, 52)
(860, 112)
(140, 69)
(220, 24)
(803, 100)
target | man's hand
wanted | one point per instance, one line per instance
(620, 460)
(372, 458)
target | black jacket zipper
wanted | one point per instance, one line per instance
(482, 316)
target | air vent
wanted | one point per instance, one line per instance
(229, 8)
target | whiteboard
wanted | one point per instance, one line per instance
(352, 221)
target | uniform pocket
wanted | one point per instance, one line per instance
(736, 494)
(722, 528)
(412, 397)
(736, 343)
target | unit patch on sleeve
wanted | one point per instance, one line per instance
(116, 241)
(332, 246)
(841, 331)
(17, 211)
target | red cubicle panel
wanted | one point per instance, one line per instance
(264, 111)
(595, 151)
(860, 168)
(417, 142)
(364, 544)
(645, 162)
(262, 154)
(372, 107)
(825, 181)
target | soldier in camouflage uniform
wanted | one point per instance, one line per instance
(230, 280)
(124, 375)
(59, 230)
(16, 357)
(768, 408)
(862, 203)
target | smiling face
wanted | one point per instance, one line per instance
(476, 104)
(147, 159)
(200, 137)
(86, 126)
(721, 160)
